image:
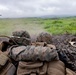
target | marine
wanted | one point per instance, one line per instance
(33, 58)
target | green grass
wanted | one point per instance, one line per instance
(61, 26)
(37, 25)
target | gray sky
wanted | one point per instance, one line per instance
(32, 8)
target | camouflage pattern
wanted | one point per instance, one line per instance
(39, 58)
(44, 37)
(20, 41)
(20, 38)
(32, 53)
(21, 34)
(69, 58)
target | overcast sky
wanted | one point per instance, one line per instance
(32, 8)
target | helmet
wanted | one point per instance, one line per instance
(21, 38)
(44, 37)
(21, 34)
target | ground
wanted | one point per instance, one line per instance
(37, 25)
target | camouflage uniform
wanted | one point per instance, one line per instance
(32, 53)
(42, 58)
(69, 58)
(37, 61)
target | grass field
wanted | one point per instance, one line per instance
(37, 25)
(61, 26)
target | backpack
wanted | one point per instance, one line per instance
(6, 67)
